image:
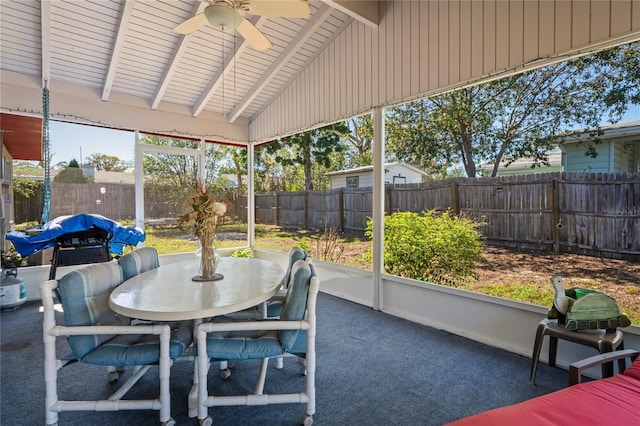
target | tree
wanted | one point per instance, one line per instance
(107, 163)
(173, 176)
(361, 139)
(518, 116)
(26, 168)
(72, 174)
(310, 149)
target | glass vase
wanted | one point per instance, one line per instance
(208, 260)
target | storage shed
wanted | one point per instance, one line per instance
(359, 177)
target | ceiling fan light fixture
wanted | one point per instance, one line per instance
(222, 17)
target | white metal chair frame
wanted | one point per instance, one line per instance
(114, 403)
(258, 397)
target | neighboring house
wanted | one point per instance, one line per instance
(394, 173)
(618, 150)
(524, 166)
(98, 176)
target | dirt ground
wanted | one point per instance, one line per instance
(619, 279)
(616, 278)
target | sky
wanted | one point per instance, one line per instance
(69, 141)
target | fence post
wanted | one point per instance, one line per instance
(277, 208)
(387, 200)
(455, 203)
(341, 209)
(306, 210)
(555, 216)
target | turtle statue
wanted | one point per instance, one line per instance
(583, 309)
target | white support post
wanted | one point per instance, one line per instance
(202, 150)
(378, 206)
(251, 212)
(139, 190)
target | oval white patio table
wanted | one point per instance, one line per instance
(167, 293)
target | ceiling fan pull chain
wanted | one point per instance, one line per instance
(222, 65)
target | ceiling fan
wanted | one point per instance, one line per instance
(225, 15)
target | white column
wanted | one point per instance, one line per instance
(202, 150)
(139, 191)
(378, 206)
(251, 212)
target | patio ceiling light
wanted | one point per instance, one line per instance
(222, 17)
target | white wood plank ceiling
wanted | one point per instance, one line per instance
(117, 63)
(128, 47)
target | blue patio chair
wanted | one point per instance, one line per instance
(138, 261)
(269, 309)
(99, 336)
(292, 334)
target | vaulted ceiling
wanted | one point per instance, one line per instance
(118, 63)
(116, 47)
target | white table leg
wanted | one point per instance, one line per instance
(193, 393)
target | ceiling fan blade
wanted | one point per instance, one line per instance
(192, 24)
(254, 37)
(280, 8)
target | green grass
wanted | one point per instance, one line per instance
(168, 239)
(530, 293)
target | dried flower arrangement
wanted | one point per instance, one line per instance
(204, 218)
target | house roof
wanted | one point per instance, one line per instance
(613, 131)
(22, 135)
(554, 158)
(362, 169)
(118, 63)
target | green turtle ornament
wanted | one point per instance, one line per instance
(584, 309)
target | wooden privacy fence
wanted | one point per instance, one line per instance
(596, 214)
(112, 200)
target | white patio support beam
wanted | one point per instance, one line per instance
(202, 170)
(363, 11)
(251, 197)
(116, 53)
(378, 206)
(45, 28)
(307, 31)
(218, 78)
(176, 57)
(139, 182)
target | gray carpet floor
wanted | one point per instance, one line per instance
(372, 369)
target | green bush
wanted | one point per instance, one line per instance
(438, 248)
(246, 252)
(71, 175)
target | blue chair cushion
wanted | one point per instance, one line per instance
(295, 254)
(138, 261)
(143, 349)
(84, 294)
(295, 304)
(243, 345)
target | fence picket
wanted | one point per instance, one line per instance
(596, 214)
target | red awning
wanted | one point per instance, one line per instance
(22, 136)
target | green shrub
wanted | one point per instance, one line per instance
(71, 175)
(304, 244)
(246, 252)
(438, 248)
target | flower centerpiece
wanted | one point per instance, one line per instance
(203, 218)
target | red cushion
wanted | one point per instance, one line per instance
(634, 369)
(612, 401)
